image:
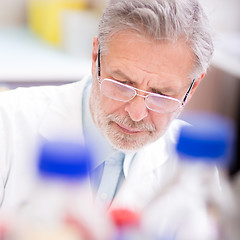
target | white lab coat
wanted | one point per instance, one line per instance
(28, 115)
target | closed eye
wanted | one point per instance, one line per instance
(158, 92)
(129, 83)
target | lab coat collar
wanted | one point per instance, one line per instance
(158, 153)
(145, 160)
(148, 159)
(140, 184)
(151, 167)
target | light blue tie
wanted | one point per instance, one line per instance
(112, 177)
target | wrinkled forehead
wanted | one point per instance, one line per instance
(150, 52)
(141, 58)
(129, 36)
(139, 46)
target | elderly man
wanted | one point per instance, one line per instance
(148, 59)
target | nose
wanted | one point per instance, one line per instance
(137, 109)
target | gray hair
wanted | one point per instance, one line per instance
(161, 19)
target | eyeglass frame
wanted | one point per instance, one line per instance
(182, 103)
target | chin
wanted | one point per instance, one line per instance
(128, 143)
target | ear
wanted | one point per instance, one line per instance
(94, 55)
(195, 85)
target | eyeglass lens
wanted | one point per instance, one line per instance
(117, 91)
(124, 93)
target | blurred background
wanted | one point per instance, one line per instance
(46, 41)
(219, 91)
(50, 41)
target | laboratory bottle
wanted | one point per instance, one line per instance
(190, 205)
(61, 205)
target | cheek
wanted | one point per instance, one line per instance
(104, 103)
(111, 106)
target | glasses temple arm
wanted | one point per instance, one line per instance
(98, 67)
(188, 91)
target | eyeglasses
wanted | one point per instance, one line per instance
(125, 93)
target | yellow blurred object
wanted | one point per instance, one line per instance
(44, 16)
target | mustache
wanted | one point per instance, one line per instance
(128, 122)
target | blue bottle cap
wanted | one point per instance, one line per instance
(68, 160)
(208, 138)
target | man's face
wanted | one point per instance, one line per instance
(160, 67)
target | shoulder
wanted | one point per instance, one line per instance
(35, 99)
(25, 109)
(171, 135)
(39, 92)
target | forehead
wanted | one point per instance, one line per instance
(131, 51)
